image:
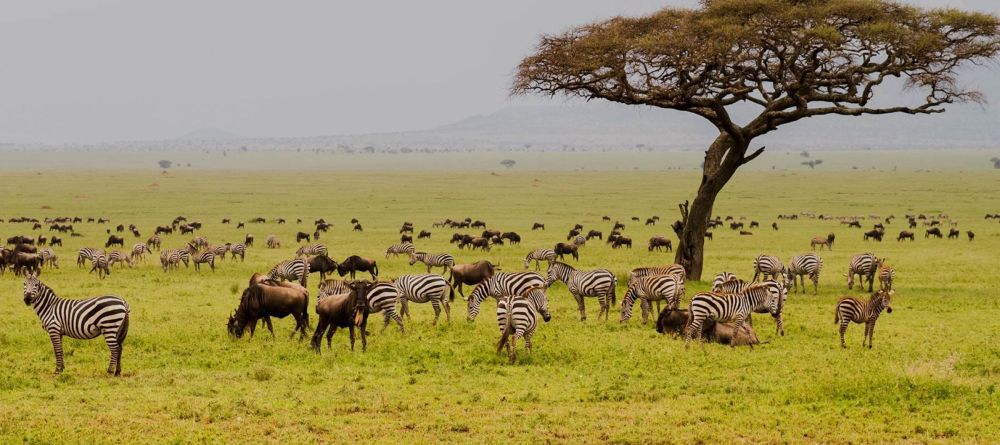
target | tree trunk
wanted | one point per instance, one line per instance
(722, 159)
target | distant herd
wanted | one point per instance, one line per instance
(722, 315)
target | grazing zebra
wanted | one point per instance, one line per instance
(579, 240)
(332, 287)
(170, 259)
(423, 288)
(539, 255)
(767, 266)
(384, 297)
(86, 254)
(120, 258)
(82, 319)
(396, 249)
(272, 242)
(802, 265)
(736, 286)
(220, 251)
(199, 242)
(433, 260)
(238, 249)
(657, 288)
(860, 311)
(290, 270)
(864, 265)
(100, 264)
(154, 241)
(139, 252)
(501, 285)
(885, 276)
(722, 278)
(736, 307)
(207, 257)
(311, 249)
(516, 319)
(672, 269)
(598, 283)
(49, 257)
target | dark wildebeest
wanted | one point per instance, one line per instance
(478, 243)
(564, 248)
(606, 218)
(323, 226)
(280, 220)
(659, 243)
(578, 226)
(934, 231)
(650, 222)
(424, 234)
(636, 219)
(225, 220)
(490, 233)
(573, 234)
(470, 274)
(407, 228)
(240, 225)
(349, 310)
(355, 263)
(248, 241)
(24, 263)
(745, 232)
(513, 237)
(952, 234)
(115, 240)
(618, 226)
(120, 228)
(358, 228)
(404, 238)
(675, 321)
(735, 225)
(774, 226)
(874, 234)
(163, 230)
(622, 241)
(905, 234)
(538, 226)
(971, 235)
(595, 234)
(856, 224)
(708, 235)
(354, 221)
(322, 264)
(478, 224)
(302, 236)
(55, 241)
(187, 229)
(264, 299)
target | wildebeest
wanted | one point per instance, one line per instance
(820, 241)
(874, 234)
(933, 231)
(322, 264)
(115, 240)
(302, 236)
(566, 248)
(248, 240)
(407, 228)
(708, 235)
(163, 230)
(618, 226)
(774, 226)
(621, 241)
(650, 222)
(490, 233)
(745, 232)
(512, 237)
(424, 234)
(25, 263)
(953, 233)
(659, 243)
(358, 228)
(323, 226)
(348, 310)
(754, 224)
(674, 321)
(735, 225)
(470, 274)
(240, 225)
(971, 235)
(478, 224)
(405, 238)
(538, 226)
(573, 234)
(354, 263)
(595, 234)
(264, 299)
(905, 234)
(55, 241)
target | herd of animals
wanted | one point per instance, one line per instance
(722, 315)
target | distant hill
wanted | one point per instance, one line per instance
(208, 134)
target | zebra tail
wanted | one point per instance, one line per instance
(614, 290)
(506, 332)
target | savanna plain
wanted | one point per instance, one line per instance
(932, 376)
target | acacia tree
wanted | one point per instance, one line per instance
(786, 59)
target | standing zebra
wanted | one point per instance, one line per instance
(199, 258)
(860, 311)
(864, 265)
(82, 319)
(735, 307)
(170, 259)
(86, 254)
(579, 240)
(154, 241)
(802, 265)
(49, 257)
(667, 288)
(311, 249)
(220, 251)
(767, 266)
(238, 249)
(885, 275)
(671, 269)
(539, 255)
(423, 288)
(396, 249)
(384, 297)
(501, 285)
(598, 283)
(722, 278)
(290, 270)
(120, 258)
(100, 264)
(516, 319)
(736, 286)
(139, 252)
(433, 260)
(272, 242)
(199, 242)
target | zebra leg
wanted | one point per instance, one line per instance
(737, 328)
(447, 309)
(579, 304)
(386, 317)
(57, 348)
(693, 327)
(512, 347)
(843, 330)
(646, 307)
(111, 338)
(437, 311)
(405, 308)
(815, 280)
(527, 341)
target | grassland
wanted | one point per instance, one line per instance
(931, 377)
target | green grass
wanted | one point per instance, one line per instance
(932, 376)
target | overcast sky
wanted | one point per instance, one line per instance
(103, 70)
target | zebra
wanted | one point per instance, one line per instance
(199, 242)
(139, 252)
(767, 266)
(433, 260)
(500, 285)
(332, 287)
(885, 276)
(579, 240)
(86, 254)
(860, 311)
(735, 307)
(598, 283)
(672, 269)
(805, 264)
(81, 319)
(722, 278)
(49, 257)
(170, 259)
(423, 288)
(120, 258)
(220, 251)
(272, 242)
(864, 265)
(311, 249)
(736, 286)
(154, 241)
(384, 297)
(403, 248)
(652, 288)
(539, 255)
(290, 270)
(516, 319)
(100, 264)
(238, 249)
(199, 258)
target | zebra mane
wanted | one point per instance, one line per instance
(560, 263)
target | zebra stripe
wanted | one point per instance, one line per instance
(139, 252)
(769, 266)
(220, 251)
(433, 260)
(672, 269)
(431, 288)
(100, 264)
(49, 257)
(396, 249)
(500, 285)
(516, 319)
(383, 297)
(199, 258)
(290, 270)
(777, 290)
(722, 278)
(81, 319)
(154, 241)
(86, 254)
(864, 265)
(539, 255)
(861, 311)
(806, 264)
(120, 258)
(657, 288)
(311, 249)
(885, 276)
(332, 287)
(598, 283)
(272, 242)
(238, 249)
(733, 307)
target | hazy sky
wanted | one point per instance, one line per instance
(100, 70)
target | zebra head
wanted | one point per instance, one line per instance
(476, 298)
(414, 257)
(557, 271)
(537, 296)
(32, 288)
(885, 299)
